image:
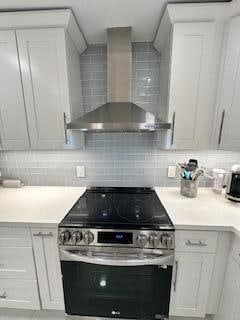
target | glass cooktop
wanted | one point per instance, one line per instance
(118, 208)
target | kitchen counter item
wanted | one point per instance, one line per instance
(233, 187)
(12, 183)
(189, 188)
(218, 180)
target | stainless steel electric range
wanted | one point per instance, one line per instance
(116, 249)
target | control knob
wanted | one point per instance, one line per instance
(76, 237)
(88, 237)
(166, 240)
(64, 236)
(142, 240)
(154, 240)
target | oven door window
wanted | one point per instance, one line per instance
(141, 292)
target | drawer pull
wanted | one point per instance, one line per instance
(4, 295)
(196, 244)
(41, 234)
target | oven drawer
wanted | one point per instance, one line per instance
(196, 241)
(21, 294)
(17, 263)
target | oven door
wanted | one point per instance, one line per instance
(122, 284)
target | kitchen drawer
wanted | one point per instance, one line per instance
(18, 237)
(196, 241)
(20, 294)
(17, 263)
(236, 249)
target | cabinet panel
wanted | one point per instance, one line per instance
(229, 111)
(230, 299)
(20, 294)
(191, 91)
(15, 237)
(48, 268)
(13, 124)
(17, 263)
(191, 282)
(43, 63)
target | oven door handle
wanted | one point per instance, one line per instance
(160, 260)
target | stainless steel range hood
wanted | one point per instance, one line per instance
(119, 114)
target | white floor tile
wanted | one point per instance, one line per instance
(15, 314)
(48, 314)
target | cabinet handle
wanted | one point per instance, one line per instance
(4, 295)
(173, 127)
(175, 277)
(40, 234)
(221, 128)
(197, 244)
(65, 127)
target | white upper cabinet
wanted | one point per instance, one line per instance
(190, 89)
(44, 72)
(189, 39)
(227, 131)
(13, 124)
(40, 64)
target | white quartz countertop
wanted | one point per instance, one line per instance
(47, 206)
(37, 205)
(208, 211)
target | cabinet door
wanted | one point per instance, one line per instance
(13, 124)
(191, 283)
(228, 134)
(230, 300)
(191, 96)
(44, 72)
(48, 268)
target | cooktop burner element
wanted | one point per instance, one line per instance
(122, 208)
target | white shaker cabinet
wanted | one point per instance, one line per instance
(191, 93)
(192, 274)
(43, 60)
(13, 123)
(191, 284)
(48, 268)
(227, 131)
(229, 307)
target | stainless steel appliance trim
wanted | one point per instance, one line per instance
(228, 196)
(221, 128)
(173, 127)
(196, 244)
(118, 116)
(135, 233)
(176, 276)
(66, 255)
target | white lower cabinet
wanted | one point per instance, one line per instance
(191, 283)
(18, 283)
(48, 268)
(229, 307)
(21, 294)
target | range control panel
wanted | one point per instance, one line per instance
(129, 238)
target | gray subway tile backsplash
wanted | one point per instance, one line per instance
(112, 159)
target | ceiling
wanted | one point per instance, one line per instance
(94, 16)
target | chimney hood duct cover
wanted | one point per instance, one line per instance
(119, 114)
